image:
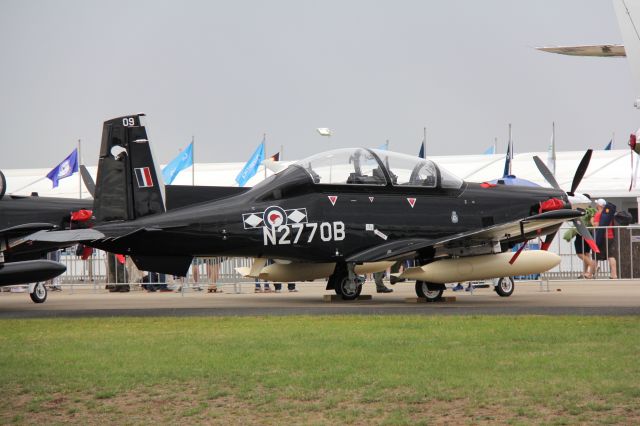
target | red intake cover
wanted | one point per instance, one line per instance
(81, 215)
(552, 204)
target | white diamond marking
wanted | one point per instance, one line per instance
(296, 216)
(253, 220)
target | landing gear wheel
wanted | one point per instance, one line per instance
(505, 287)
(430, 291)
(347, 289)
(39, 293)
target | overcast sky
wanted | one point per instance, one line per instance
(227, 72)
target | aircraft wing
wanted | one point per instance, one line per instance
(490, 235)
(608, 50)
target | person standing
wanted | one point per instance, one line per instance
(380, 287)
(608, 247)
(291, 287)
(213, 273)
(583, 250)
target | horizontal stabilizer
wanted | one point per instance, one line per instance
(66, 236)
(25, 229)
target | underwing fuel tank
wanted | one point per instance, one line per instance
(290, 272)
(483, 267)
(29, 271)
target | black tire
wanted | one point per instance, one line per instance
(348, 291)
(334, 279)
(39, 293)
(505, 287)
(430, 291)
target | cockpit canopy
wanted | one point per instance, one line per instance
(361, 166)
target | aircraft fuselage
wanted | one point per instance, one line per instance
(292, 218)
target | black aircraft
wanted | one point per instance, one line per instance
(336, 214)
(21, 216)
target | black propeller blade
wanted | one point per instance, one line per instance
(88, 180)
(577, 178)
(546, 173)
(584, 232)
(580, 171)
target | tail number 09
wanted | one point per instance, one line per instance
(292, 234)
(128, 121)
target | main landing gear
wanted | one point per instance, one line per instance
(38, 293)
(430, 291)
(345, 282)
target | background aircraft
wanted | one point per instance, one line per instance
(24, 215)
(336, 214)
(628, 15)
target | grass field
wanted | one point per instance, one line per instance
(322, 370)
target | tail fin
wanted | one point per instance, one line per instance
(127, 184)
(628, 14)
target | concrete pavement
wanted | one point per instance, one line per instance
(580, 297)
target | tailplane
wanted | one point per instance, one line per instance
(127, 184)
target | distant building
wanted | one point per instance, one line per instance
(608, 176)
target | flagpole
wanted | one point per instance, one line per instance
(510, 149)
(193, 160)
(424, 143)
(264, 153)
(553, 146)
(79, 174)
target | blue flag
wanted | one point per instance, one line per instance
(609, 146)
(251, 168)
(65, 169)
(421, 153)
(181, 162)
(490, 150)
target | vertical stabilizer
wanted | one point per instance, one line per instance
(628, 14)
(127, 184)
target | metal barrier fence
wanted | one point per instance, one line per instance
(102, 269)
(105, 269)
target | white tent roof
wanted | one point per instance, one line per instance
(608, 175)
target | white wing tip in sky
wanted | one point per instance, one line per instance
(605, 50)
